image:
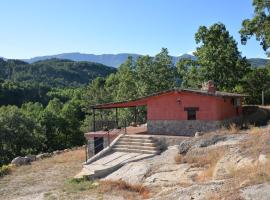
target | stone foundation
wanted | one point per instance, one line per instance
(185, 127)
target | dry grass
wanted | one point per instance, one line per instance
(253, 130)
(124, 188)
(255, 174)
(247, 176)
(179, 158)
(52, 178)
(210, 162)
(257, 143)
(233, 129)
(42, 177)
(207, 159)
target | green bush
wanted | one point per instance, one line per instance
(5, 169)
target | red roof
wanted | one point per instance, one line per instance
(143, 100)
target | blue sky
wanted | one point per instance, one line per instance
(44, 27)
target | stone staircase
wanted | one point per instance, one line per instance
(137, 144)
(129, 148)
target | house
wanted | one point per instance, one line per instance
(186, 111)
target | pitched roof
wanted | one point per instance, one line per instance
(143, 100)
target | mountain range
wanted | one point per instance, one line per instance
(115, 60)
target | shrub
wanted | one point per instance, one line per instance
(178, 158)
(255, 130)
(5, 169)
(233, 129)
(109, 186)
(75, 185)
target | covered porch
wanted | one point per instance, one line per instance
(99, 125)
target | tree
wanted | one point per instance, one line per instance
(145, 73)
(71, 114)
(188, 72)
(126, 75)
(259, 25)
(54, 125)
(20, 134)
(156, 74)
(164, 76)
(254, 83)
(219, 58)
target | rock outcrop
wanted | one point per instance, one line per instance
(20, 161)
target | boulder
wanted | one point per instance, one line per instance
(256, 192)
(43, 155)
(57, 152)
(263, 159)
(184, 146)
(20, 161)
(205, 142)
(232, 161)
(31, 157)
(194, 192)
(198, 134)
(209, 140)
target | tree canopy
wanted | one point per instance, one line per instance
(219, 58)
(259, 25)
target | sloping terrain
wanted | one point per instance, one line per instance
(52, 179)
(228, 164)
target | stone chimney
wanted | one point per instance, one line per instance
(209, 86)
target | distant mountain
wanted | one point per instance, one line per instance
(115, 60)
(53, 72)
(258, 62)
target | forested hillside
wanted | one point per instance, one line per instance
(53, 72)
(258, 62)
(41, 104)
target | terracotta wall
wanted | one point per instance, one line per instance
(171, 106)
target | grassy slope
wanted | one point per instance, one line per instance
(51, 179)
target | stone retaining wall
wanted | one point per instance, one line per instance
(186, 127)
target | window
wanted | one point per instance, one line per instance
(191, 113)
(236, 102)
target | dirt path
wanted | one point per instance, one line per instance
(45, 179)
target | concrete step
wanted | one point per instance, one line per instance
(140, 140)
(139, 136)
(152, 144)
(131, 150)
(142, 147)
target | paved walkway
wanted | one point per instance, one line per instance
(109, 164)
